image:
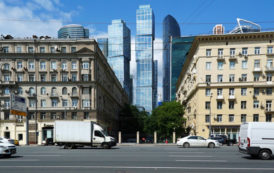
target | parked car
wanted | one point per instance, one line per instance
(220, 139)
(197, 141)
(14, 141)
(257, 139)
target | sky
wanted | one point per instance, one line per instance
(24, 18)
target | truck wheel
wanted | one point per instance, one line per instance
(106, 146)
(265, 154)
(211, 145)
(186, 145)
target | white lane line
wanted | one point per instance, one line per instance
(201, 160)
(25, 160)
(185, 152)
(138, 167)
(187, 156)
(41, 155)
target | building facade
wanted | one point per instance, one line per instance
(73, 84)
(171, 29)
(218, 29)
(119, 52)
(103, 45)
(179, 51)
(73, 31)
(145, 34)
(226, 81)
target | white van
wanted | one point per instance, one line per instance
(257, 139)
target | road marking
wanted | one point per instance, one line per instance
(201, 160)
(186, 152)
(15, 160)
(42, 155)
(138, 167)
(187, 156)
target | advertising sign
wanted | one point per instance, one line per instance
(18, 105)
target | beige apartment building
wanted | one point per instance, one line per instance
(61, 79)
(227, 80)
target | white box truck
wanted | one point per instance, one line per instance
(257, 139)
(72, 134)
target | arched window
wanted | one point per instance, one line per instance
(64, 91)
(43, 91)
(6, 66)
(53, 91)
(31, 91)
(74, 91)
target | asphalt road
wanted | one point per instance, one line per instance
(131, 159)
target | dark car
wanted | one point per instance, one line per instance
(220, 139)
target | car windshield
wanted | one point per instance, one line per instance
(201, 138)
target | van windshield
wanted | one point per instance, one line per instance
(105, 132)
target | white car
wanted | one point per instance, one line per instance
(197, 141)
(6, 148)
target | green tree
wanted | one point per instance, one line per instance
(165, 119)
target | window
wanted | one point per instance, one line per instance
(231, 105)
(64, 91)
(243, 104)
(244, 51)
(220, 52)
(52, 49)
(19, 77)
(208, 52)
(6, 49)
(231, 117)
(243, 117)
(43, 103)
(207, 105)
(42, 77)
(257, 51)
(85, 65)
(257, 65)
(53, 65)
(99, 134)
(85, 77)
(255, 117)
(64, 65)
(6, 91)
(53, 77)
(256, 91)
(32, 103)
(269, 64)
(6, 67)
(43, 91)
(232, 52)
(269, 91)
(73, 77)
(43, 115)
(42, 50)
(256, 77)
(231, 91)
(269, 50)
(30, 50)
(268, 105)
(220, 78)
(64, 115)
(86, 115)
(244, 77)
(63, 49)
(74, 65)
(53, 115)
(20, 91)
(231, 78)
(74, 115)
(73, 49)
(20, 137)
(255, 104)
(219, 91)
(6, 77)
(74, 102)
(243, 91)
(220, 65)
(64, 77)
(54, 102)
(208, 65)
(208, 92)
(208, 78)
(31, 77)
(207, 118)
(18, 49)
(244, 64)
(219, 105)
(219, 118)
(86, 90)
(268, 118)
(19, 65)
(42, 65)
(269, 77)
(193, 137)
(7, 103)
(86, 103)
(232, 65)
(65, 103)
(31, 65)
(74, 91)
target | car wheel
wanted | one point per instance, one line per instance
(265, 154)
(186, 145)
(211, 145)
(106, 146)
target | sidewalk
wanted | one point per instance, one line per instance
(145, 144)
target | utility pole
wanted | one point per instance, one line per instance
(210, 115)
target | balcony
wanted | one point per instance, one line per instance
(257, 69)
(232, 57)
(7, 83)
(269, 110)
(32, 95)
(54, 95)
(269, 68)
(231, 97)
(220, 58)
(220, 97)
(270, 54)
(74, 95)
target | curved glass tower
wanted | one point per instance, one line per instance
(171, 29)
(73, 31)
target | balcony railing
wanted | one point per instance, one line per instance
(231, 97)
(269, 68)
(220, 97)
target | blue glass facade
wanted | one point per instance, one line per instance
(103, 45)
(145, 84)
(171, 29)
(73, 31)
(119, 52)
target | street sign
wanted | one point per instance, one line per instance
(18, 105)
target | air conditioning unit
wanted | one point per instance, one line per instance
(262, 106)
(208, 83)
(27, 91)
(25, 69)
(254, 97)
(240, 54)
(14, 69)
(246, 57)
(263, 76)
(240, 79)
(263, 91)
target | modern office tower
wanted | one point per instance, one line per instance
(144, 58)
(155, 83)
(171, 29)
(73, 31)
(218, 29)
(75, 83)
(227, 80)
(119, 52)
(179, 51)
(103, 45)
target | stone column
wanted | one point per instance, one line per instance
(155, 137)
(119, 137)
(138, 137)
(174, 137)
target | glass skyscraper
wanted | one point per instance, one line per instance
(171, 28)
(119, 52)
(73, 31)
(145, 83)
(103, 45)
